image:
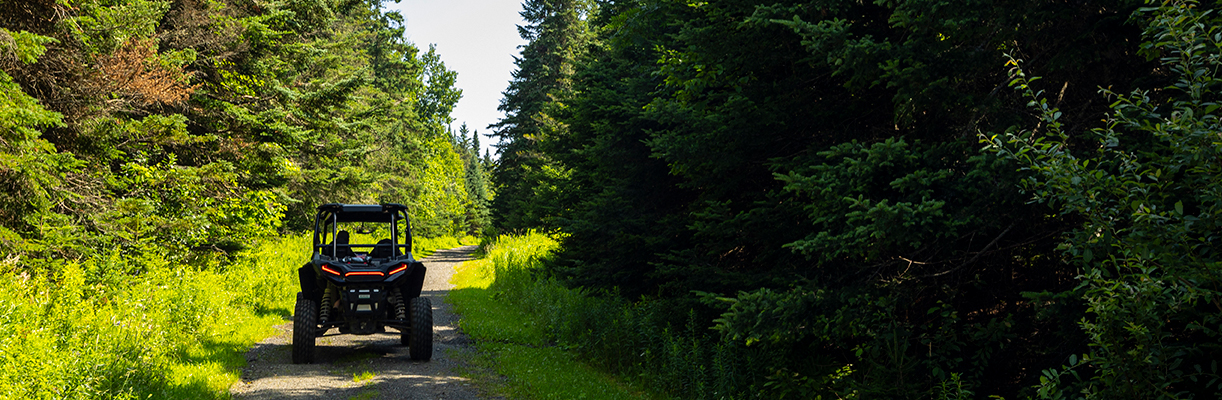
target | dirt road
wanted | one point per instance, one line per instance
(366, 367)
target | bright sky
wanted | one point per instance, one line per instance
(476, 38)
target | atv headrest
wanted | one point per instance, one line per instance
(384, 249)
(341, 241)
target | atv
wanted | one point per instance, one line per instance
(362, 289)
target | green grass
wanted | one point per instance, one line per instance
(552, 373)
(137, 327)
(516, 356)
(361, 377)
(91, 330)
(487, 318)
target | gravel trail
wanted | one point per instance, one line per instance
(271, 373)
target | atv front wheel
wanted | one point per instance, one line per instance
(421, 346)
(305, 321)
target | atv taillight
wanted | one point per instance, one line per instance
(328, 269)
(402, 267)
(359, 273)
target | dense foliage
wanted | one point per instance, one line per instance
(527, 174)
(207, 118)
(1147, 193)
(806, 178)
(145, 143)
(479, 191)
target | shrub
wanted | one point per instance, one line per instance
(1148, 192)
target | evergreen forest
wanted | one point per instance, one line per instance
(886, 199)
(870, 199)
(216, 121)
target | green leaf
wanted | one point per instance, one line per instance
(1179, 207)
(25, 45)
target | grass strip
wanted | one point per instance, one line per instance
(511, 340)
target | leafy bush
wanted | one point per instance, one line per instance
(1148, 191)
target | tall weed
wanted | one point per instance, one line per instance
(509, 313)
(664, 345)
(84, 331)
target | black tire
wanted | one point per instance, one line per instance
(305, 322)
(421, 341)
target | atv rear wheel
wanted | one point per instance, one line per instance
(305, 321)
(421, 342)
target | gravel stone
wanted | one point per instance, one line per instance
(270, 373)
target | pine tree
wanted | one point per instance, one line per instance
(558, 34)
(478, 193)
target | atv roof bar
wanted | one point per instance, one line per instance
(334, 213)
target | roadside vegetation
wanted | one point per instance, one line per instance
(153, 151)
(546, 340)
(516, 319)
(876, 199)
(172, 332)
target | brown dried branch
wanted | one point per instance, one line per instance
(134, 71)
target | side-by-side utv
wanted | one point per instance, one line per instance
(362, 288)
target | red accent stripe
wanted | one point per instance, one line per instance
(398, 270)
(378, 273)
(324, 268)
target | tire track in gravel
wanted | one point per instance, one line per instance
(271, 374)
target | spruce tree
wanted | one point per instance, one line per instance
(557, 33)
(478, 193)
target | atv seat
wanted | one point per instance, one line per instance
(384, 249)
(341, 241)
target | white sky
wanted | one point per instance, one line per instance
(476, 38)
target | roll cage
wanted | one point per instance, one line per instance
(326, 227)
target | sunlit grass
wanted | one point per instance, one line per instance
(487, 318)
(361, 377)
(94, 329)
(217, 364)
(552, 373)
(475, 274)
(512, 339)
(171, 331)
